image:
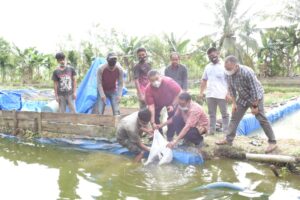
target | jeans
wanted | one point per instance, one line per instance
(261, 117)
(212, 104)
(112, 97)
(63, 101)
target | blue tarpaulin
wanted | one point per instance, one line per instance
(179, 155)
(10, 101)
(249, 123)
(87, 90)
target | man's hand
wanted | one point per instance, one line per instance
(234, 108)
(202, 130)
(103, 99)
(228, 98)
(201, 96)
(170, 109)
(172, 144)
(254, 110)
(155, 126)
(74, 96)
(149, 131)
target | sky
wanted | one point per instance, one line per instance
(46, 23)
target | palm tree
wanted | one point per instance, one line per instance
(235, 37)
(5, 57)
(128, 46)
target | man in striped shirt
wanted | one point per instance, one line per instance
(246, 92)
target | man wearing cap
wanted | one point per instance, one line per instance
(110, 84)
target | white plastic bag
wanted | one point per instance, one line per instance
(159, 150)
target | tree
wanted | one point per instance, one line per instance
(128, 46)
(236, 30)
(5, 58)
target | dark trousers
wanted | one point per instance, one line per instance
(261, 117)
(192, 135)
(171, 129)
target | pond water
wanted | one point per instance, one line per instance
(35, 171)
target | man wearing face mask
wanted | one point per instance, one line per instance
(140, 72)
(110, 84)
(177, 71)
(214, 81)
(131, 129)
(246, 92)
(190, 121)
(64, 78)
(161, 92)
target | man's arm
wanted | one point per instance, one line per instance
(74, 82)
(253, 88)
(55, 90)
(120, 82)
(203, 86)
(143, 146)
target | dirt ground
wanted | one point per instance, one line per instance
(243, 144)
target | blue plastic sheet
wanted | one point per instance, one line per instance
(87, 90)
(179, 156)
(10, 101)
(249, 123)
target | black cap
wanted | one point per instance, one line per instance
(111, 55)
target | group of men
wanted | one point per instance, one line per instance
(224, 82)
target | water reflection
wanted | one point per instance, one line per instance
(48, 172)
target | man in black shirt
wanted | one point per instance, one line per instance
(177, 71)
(64, 84)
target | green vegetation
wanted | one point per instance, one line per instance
(270, 52)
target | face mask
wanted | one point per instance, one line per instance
(183, 108)
(229, 73)
(214, 60)
(142, 59)
(156, 84)
(112, 63)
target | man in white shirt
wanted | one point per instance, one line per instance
(215, 83)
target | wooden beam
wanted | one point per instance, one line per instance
(88, 119)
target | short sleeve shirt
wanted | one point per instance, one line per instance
(65, 80)
(215, 76)
(164, 95)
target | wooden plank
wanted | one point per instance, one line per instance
(76, 129)
(27, 115)
(6, 114)
(88, 119)
(23, 124)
